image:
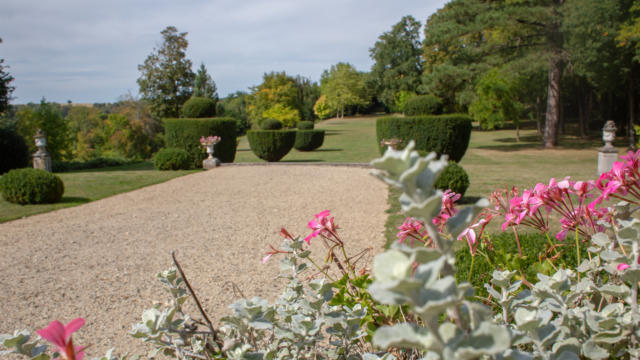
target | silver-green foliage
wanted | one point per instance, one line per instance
(301, 324)
(424, 279)
(588, 313)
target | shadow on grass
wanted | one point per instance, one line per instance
(74, 199)
(332, 132)
(328, 150)
(468, 200)
(147, 165)
(301, 161)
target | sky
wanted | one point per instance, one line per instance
(88, 51)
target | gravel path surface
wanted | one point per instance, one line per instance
(99, 260)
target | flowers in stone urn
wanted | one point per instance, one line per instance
(209, 140)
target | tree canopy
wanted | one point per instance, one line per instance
(167, 80)
(203, 84)
(5, 86)
(343, 86)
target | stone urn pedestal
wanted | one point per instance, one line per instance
(210, 162)
(607, 154)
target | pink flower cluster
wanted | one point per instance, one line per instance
(321, 225)
(60, 336)
(210, 140)
(622, 182)
(411, 228)
(447, 209)
(567, 198)
(469, 234)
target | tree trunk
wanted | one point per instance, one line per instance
(538, 112)
(632, 108)
(553, 103)
(582, 104)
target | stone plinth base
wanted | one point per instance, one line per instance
(42, 160)
(210, 163)
(605, 161)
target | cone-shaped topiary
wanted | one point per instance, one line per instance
(271, 145)
(31, 186)
(14, 150)
(271, 124)
(308, 140)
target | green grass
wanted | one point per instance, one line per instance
(89, 185)
(346, 140)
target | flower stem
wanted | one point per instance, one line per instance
(471, 269)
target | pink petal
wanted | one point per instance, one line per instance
(323, 214)
(623, 266)
(72, 326)
(561, 235)
(54, 333)
(266, 258)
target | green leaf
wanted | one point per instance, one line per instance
(593, 351)
(404, 336)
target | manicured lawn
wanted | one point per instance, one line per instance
(347, 140)
(89, 185)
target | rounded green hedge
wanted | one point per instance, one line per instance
(271, 124)
(172, 159)
(199, 107)
(453, 177)
(14, 150)
(31, 186)
(185, 134)
(422, 105)
(271, 145)
(308, 140)
(305, 125)
(444, 134)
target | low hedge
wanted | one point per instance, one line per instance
(185, 134)
(305, 125)
(96, 163)
(444, 134)
(14, 150)
(453, 177)
(172, 159)
(308, 140)
(422, 105)
(199, 107)
(31, 186)
(271, 145)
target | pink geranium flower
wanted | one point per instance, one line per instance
(411, 228)
(320, 225)
(60, 336)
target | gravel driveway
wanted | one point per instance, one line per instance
(99, 260)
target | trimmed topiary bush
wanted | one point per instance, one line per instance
(199, 107)
(305, 125)
(444, 134)
(308, 140)
(185, 134)
(271, 124)
(31, 186)
(453, 177)
(271, 145)
(172, 159)
(422, 105)
(14, 150)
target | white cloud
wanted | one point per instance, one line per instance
(88, 51)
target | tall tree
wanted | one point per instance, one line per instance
(203, 84)
(167, 80)
(46, 116)
(278, 93)
(5, 86)
(397, 66)
(343, 86)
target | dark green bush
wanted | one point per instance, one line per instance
(305, 125)
(172, 159)
(453, 177)
(308, 140)
(444, 134)
(185, 134)
(423, 105)
(97, 163)
(503, 255)
(271, 124)
(271, 145)
(14, 153)
(31, 186)
(199, 107)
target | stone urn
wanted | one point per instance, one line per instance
(209, 144)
